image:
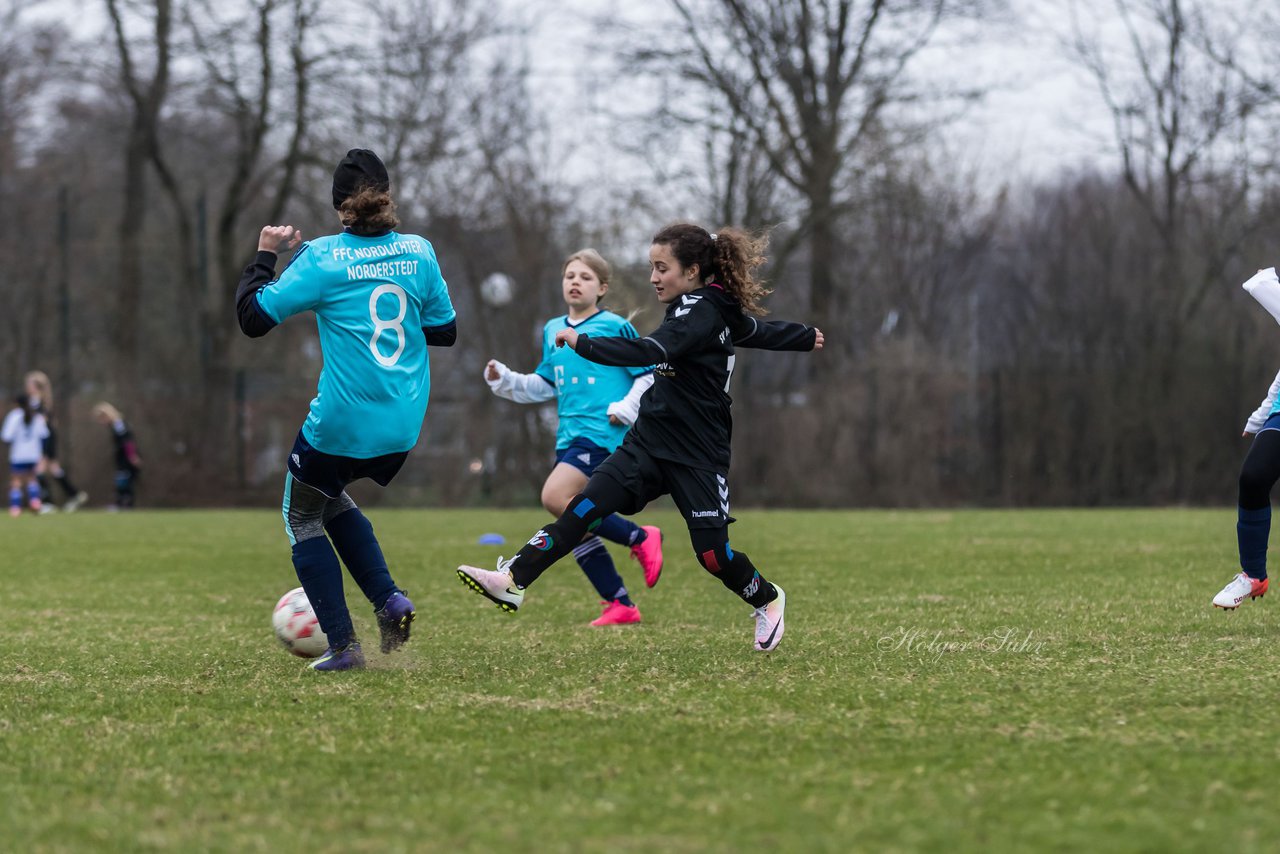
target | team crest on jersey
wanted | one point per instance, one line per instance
(541, 541)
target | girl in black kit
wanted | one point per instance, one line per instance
(128, 462)
(40, 393)
(680, 443)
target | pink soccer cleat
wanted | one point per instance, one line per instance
(769, 623)
(617, 614)
(649, 554)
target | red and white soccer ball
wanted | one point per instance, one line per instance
(297, 627)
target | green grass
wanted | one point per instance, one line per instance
(144, 703)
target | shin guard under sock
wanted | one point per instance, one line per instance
(1253, 527)
(553, 542)
(736, 572)
(620, 530)
(321, 578)
(598, 566)
(353, 537)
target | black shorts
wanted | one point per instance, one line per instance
(50, 445)
(702, 496)
(330, 474)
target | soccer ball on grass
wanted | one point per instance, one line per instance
(297, 627)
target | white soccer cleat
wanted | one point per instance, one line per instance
(1240, 588)
(497, 587)
(769, 622)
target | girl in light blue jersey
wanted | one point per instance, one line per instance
(379, 301)
(596, 405)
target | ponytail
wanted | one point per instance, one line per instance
(369, 212)
(729, 259)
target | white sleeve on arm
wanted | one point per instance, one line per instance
(627, 410)
(521, 388)
(1264, 286)
(1259, 416)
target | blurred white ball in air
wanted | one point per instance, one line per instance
(497, 289)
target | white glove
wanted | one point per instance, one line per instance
(521, 388)
(627, 410)
(502, 370)
(1265, 288)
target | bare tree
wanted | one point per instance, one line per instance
(811, 85)
(260, 82)
(29, 58)
(1181, 123)
(147, 90)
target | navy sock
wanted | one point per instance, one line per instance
(622, 531)
(598, 566)
(321, 578)
(352, 536)
(1253, 527)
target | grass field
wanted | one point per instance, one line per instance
(967, 681)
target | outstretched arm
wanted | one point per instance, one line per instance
(618, 351)
(777, 335)
(520, 388)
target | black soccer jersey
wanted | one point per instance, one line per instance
(126, 447)
(684, 416)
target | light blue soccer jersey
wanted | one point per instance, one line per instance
(584, 389)
(372, 297)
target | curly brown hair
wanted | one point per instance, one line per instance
(728, 258)
(369, 212)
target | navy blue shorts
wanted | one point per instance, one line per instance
(22, 468)
(330, 474)
(1272, 422)
(582, 454)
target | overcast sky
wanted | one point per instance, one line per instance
(1044, 116)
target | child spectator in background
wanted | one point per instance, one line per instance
(40, 393)
(128, 463)
(25, 431)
